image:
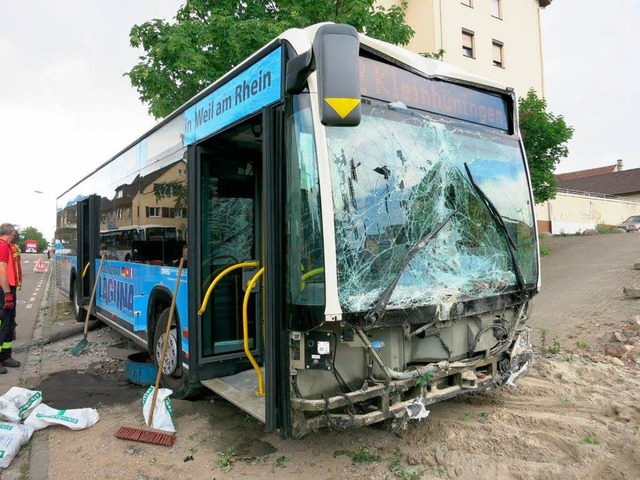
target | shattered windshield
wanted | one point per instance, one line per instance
(396, 178)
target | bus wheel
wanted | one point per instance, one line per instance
(78, 312)
(173, 375)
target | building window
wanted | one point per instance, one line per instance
(468, 3)
(498, 54)
(496, 11)
(467, 43)
(153, 212)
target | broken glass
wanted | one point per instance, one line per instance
(395, 178)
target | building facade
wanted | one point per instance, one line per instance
(496, 39)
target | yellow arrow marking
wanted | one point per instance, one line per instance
(343, 106)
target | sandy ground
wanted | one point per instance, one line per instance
(570, 420)
(575, 416)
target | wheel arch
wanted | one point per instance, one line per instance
(159, 300)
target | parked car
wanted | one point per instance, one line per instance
(631, 224)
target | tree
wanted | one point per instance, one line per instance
(209, 37)
(32, 233)
(545, 139)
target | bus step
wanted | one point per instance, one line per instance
(240, 389)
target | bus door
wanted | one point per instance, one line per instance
(88, 248)
(229, 167)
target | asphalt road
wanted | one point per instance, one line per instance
(581, 298)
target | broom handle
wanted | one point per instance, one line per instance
(93, 295)
(165, 342)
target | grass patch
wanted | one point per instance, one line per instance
(589, 441)
(582, 344)
(603, 229)
(225, 460)
(544, 250)
(401, 473)
(280, 462)
(361, 456)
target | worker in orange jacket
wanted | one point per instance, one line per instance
(10, 279)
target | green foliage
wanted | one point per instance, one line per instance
(555, 348)
(209, 37)
(601, 228)
(399, 472)
(544, 250)
(362, 456)
(32, 233)
(582, 344)
(280, 462)
(543, 340)
(545, 139)
(589, 441)
(425, 379)
(225, 460)
(439, 55)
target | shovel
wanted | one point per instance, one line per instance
(82, 344)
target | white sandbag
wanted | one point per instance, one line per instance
(75, 419)
(9, 446)
(12, 437)
(18, 403)
(163, 413)
(23, 432)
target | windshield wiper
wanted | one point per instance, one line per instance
(379, 307)
(497, 218)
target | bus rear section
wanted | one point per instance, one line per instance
(357, 223)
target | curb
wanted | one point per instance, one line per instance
(39, 454)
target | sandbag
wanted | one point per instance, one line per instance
(163, 413)
(12, 437)
(18, 403)
(75, 419)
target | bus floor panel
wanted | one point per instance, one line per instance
(241, 390)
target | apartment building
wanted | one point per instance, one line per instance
(497, 39)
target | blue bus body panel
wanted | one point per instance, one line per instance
(124, 289)
(256, 87)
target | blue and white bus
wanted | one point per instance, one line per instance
(358, 228)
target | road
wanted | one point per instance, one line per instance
(582, 297)
(28, 308)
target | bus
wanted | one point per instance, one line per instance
(360, 239)
(118, 243)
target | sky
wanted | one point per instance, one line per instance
(66, 108)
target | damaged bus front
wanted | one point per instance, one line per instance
(412, 247)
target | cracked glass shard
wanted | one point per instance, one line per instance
(395, 178)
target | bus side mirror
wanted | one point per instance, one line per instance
(336, 50)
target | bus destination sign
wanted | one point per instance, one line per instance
(246, 93)
(392, 84)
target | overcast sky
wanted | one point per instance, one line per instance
(65, 106)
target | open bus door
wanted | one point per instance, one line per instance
(240, 238)
(230, 250)
(88, 249)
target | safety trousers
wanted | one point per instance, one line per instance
(7, 327)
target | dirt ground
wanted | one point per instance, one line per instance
(575, 416)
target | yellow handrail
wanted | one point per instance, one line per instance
(86, 267)
(203, 307)
(308, 275)
(245, 331)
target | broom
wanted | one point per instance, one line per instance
(151, 435)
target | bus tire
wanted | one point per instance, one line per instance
(78, 312)
(173, 375)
